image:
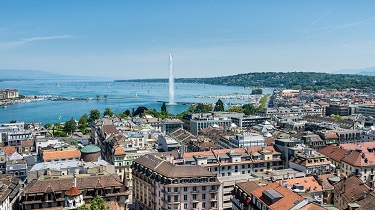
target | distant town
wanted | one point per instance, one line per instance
(293, 149)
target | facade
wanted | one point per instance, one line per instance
(159, 184)
(354, 159)
(170, 124)
(366, 110)
(348, 136)
(8, 93)
(244, 140)
(248, 121)
(47, 191)
(337, 109)
(231, 165)
(198, 124)
(311, 162)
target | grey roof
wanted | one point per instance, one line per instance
(170, 170)
(223, 156)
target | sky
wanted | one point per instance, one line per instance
(132, 39)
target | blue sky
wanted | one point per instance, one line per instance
(133, 39)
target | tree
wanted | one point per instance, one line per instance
(98, 203)
(48, 126)
(94, 115)
(107, 112)
(164, 107)
(125, 113)
(56, 126)
(235, 109)
(13, 121)
(219, 106)
(82, 123)
(248, 109)
(97, 97)
(257, 91)
(105, 97)
(70, 126)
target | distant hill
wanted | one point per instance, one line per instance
(305, 80)
(6, 75)
(364, 71)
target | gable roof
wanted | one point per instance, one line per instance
(352, 189)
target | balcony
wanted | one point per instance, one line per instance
(195, 201)
(170, 192)
(213, 191)
(213, 199)
(194, 191)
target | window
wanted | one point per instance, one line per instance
(194, 189)
(203, 196)
(194, 205)
(203, 205)
(185, 197)
(185, 205)
(204, 188)
(194, 197)
(185, 189)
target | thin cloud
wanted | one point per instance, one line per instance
(8, 45)
(321, 17)
(340, 27)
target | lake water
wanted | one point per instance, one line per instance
(120, 96)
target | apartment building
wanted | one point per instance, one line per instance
(311, 162)
(159, 184)
(235, 164)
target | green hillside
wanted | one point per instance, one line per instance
(304, 80)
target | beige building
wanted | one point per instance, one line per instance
(159, 184)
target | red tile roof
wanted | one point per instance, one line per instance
(73, 191)
(288, 200)
(334, 152)
(352, 189)
(52, 155)
(9, 150)
(306, 182)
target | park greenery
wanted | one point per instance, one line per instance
(95, 204)
(295, 80)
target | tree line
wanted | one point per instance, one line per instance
(296, 80)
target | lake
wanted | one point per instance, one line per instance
(120, 97)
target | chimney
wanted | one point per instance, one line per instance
(364, 195)
(75, 180)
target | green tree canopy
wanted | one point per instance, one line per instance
(248, 109)
(94, 115)
(96, 204)
(48, 126)
(219, 106)
(238, 109)
(107, 112)
(164, 107)
(70, 126)
(82, 123)
(257, 91)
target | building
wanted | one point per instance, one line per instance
(90, 153)
(167, 143)
(69, 167)
(238, 164)
(169, 124)
(254, 195)
(244, 140)
(248, 121)
(349, 191)
(52, 191)
(274, 197)
(58, 152)
(366, 110)
(9, 191)
(348, 136)
(311, 162)
(336, 109)
(354, 159)
(307, 187)
(198, 124)
(8, 93)
(159, 184)
(313, 141)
